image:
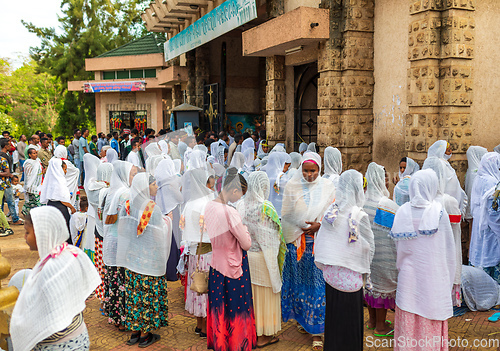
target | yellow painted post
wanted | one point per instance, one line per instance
(8, 297)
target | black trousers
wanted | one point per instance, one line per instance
(343, 320)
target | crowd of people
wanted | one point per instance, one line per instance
(257, 236)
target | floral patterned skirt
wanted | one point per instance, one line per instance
(99, 265)
(146, 302)
(114, 294)
(196, 304)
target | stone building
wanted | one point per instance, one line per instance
(378, 79)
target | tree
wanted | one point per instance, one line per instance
(28, 100)
(89, 28)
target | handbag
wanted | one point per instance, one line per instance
(199, 277)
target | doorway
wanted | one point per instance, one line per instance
(127, 120)
(306, 104)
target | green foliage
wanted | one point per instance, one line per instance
(28, 100)
(88, 28)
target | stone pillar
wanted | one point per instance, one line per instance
(441, 49)
(177, 97)
(191, 82)
(202, 72)
(275, 99)
(345, 85)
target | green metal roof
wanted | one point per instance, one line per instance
(149, 44)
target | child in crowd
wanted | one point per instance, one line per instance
(17, 189)
(78, 225)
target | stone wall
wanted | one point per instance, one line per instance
(275, 99)
(440, 77)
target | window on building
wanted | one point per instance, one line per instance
(127, 74)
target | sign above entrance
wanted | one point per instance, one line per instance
(222, 19)
(100, 87)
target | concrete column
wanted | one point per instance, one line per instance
(202, 72)
(440, 81)
(275, 99)
(191, 82)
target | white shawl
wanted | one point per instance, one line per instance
(54, 186)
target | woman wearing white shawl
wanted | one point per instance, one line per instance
(97, 191)
(153, 161)
(111, 155)
(72, 174)
(274, 169)
(333, 164)
(48, 311)
(238, 161)
(248, 166)
(426, 265)
(384, 274)
(263, 149)
(312, 147)
(474, 155)
(485, 238)
(442, 150)
(90, 164)
(302, 148)
(54, 190)
(169, 198)
(152, 149)
(32, 180)
(118, 194)
(306, 198)
(401, 190)
(296, 160)
(344, 250)
(265, 257)
(196, 198)
(144, 237)
(451, 206)
(164, 147)
(247, 144)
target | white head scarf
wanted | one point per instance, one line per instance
(101, 181)
(169, 186)
(61, 152)
(302, 147)
(152, 150)
(201, 148)
(260, 152)
(153, 161)
(90, 164)
(214, 148)
(424, 189)
(305, 201)
(238, 161)
(333, 164)
(72, 173)
(487, 179)
(197, 159)
(278, 148)
(54, 186)
(401, 190)
(248, 143)
(345, 238)
(118, 184)
(263, 230)
(32, 175)
(474, 155)
(144, 235)
(296, 160)
(411, 168)
(182, 147)
(375, 180)
(111, 155)
(311, 147)
(178, 166)
(57, 288)
(163, 146)
(438, 149)
(274, 170)
(249, 159)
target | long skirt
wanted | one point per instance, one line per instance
(114, 294)
(173, 260)
(146, 302)
(197, 304)
(267, 306)
(78, 343)
(416, 333)
(99, 265)
(303, 291)
(344, 320)
(230, 317)
(30, 201)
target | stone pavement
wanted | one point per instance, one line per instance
(179, 335)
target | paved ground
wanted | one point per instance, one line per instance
(179, 335)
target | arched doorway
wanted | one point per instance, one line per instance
(306, 103)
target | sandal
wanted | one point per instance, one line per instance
(317, 345)
(150, 339)
(495, 317)
(388, 335)
(134, 338)
(388, 322)
(271, 341)
(301, 329)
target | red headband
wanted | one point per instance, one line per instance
(311, 161)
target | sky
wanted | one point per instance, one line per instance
(15, 39)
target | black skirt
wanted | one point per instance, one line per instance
(65, 212)
(343, 320)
